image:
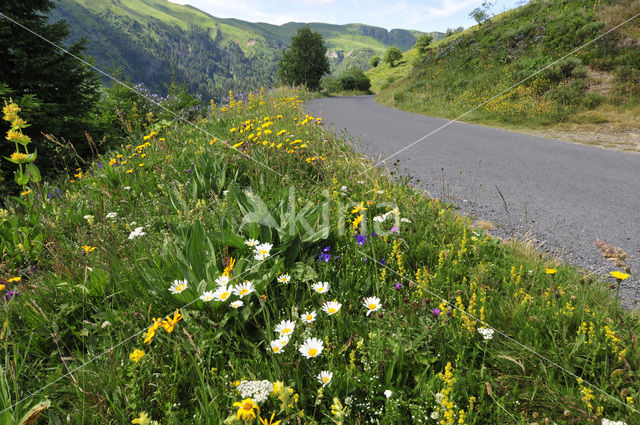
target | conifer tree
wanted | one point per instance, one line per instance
(56, 92)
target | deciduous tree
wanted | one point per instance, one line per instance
(305, 61)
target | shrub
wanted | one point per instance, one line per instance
(355, 79)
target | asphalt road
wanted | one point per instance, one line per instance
(564, 195)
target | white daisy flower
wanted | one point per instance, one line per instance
(331, 307)
(223, 293)
(325, 377)
(387, 393)
(285, 328)
(178, 286)
(372, 304)
(207, 296)
(285, 278)
(312, 347)
(308, 317)
(222, 280)
(320, 287)
(236, 304)
(283, 340)
(112, 215)
(252, 242)
(244, 288)
(276, 346)
(262, 251)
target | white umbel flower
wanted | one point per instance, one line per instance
(325, 377)
(258, 391)
(372, 304)
(486, 333)
(311, 348)
(178, 286)
(139, 231)
(112, 215)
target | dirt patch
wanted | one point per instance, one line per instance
(604, 135)
(251, 43)
(600, 82)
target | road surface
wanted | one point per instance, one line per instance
(564, 195)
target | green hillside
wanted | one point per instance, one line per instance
(470, 68)
(155, 39)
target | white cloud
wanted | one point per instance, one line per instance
(449, 7)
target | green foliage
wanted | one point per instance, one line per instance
(449, 32)
(423, 44)
(392, 55)
(374, 61)
(481, 14)
(355, 79)
(352, 80)
(304, 62)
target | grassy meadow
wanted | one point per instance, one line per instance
(249, 268)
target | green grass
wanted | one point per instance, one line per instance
(383, 75)
(198, 201)
(465, 70)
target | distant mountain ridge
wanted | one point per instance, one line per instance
(153, 41)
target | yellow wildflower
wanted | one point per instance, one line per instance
(550, 271)
(136, 355)
(169, 322)
(152, 330)
(246, 409)
(19, 156)
(619, 275)
(142, 419)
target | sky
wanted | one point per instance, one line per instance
(422, 15)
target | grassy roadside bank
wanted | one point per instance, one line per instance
(490, 74)
(210, 282)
